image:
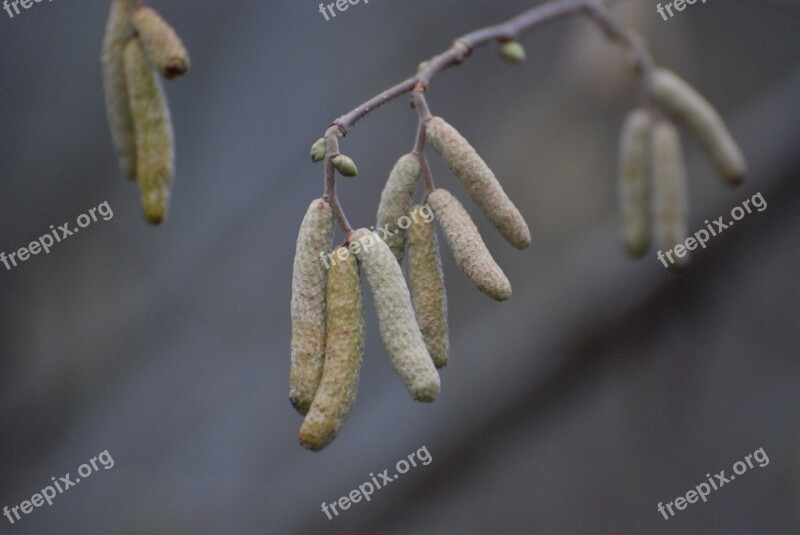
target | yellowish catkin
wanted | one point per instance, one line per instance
(670, 195)
(164, 48)
(155, 154)
(308, 304)
(119, 30)
(688, 106)
(634, 181)
(426, 282)
(344, 350)
(468, 247)
(479, 181)
(399, 330)
(396, 201)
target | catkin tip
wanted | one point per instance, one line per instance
(164, 48)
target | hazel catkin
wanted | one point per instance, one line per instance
(162, 45)
(670, 195)
(398, 326)
(479, 181)
(688, 106)
(155, 154)
(426, 282)
(119, 30)
(468, 247)
(396, 201)
(344, 350)
(308, 304)
(634, 181)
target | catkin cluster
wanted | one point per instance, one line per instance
(138, 46)
(327, 341)
(327, 319)
(653, 186)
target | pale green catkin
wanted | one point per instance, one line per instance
(396, 201)
(399, 330)
(162, 45)
(426, 282)
(468, 247)
(308, 304)
(670, 195)
(155, 154)
(688, 106)
(119, 30)
(344, 350)
(634, 180)
(479, 181)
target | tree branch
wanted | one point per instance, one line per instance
(596, 10)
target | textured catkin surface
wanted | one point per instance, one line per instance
(344, 350)
(118, 31)
(308, 304)
(670, 195)
(399, 330)
(396, 201)
(155, 156)
(426, 282)
(162, 45)
(634, 181)
(468, 248)
(689, 107)
(479, 181)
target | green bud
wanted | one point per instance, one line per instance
(345, 165)
(513, 51)
(422, 66)
(318, 150)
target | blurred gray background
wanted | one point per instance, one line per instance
(602, 387)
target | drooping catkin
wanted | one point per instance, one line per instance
(479, 181)
(634, 180)
(155, 155)
(426, 282)
(688, 106)
(670, 195)
(468, 247)
(308, 303)
(119, 30)
(396, 201)
(162, 45)
(398, 326)
(344, 349)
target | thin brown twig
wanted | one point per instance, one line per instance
(421, 105)
(332, 151)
